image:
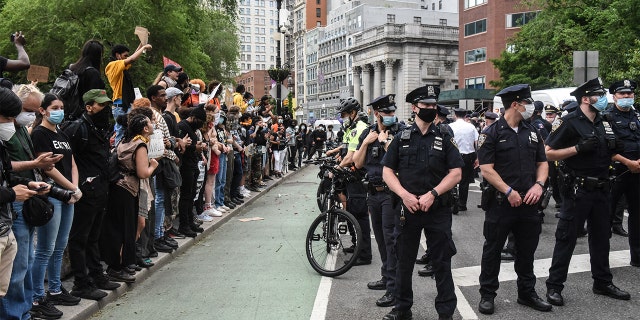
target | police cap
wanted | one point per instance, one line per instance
(592, 87)
(490, 115)
(538, 105)
(551, 109)
(572, 106)
(623, 86)
(519, 92)
(443, 111)
(384, 103)
(426, 94)
(460, 112)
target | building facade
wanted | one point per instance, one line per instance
(257, 22)
(257, 82)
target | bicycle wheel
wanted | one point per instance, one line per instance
(326, 239)
(322, 195)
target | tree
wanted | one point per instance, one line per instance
(543, 49)
(199, 36)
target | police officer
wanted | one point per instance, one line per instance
(354, 190)
(551, 114)
(489, 119)
(513, 196)
(626, 126)
(586, 144)
(421, 166)
(374, 142)
(465, 135)
(541, 124)
(442, 115)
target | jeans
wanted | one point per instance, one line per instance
(18, 301)
(52, 240)
(221, 180)
(116, 110)
(159, 205)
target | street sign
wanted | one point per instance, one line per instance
(284, 92)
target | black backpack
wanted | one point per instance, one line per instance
(66, 88)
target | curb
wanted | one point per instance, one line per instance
(88, 308)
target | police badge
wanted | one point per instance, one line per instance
(556, 124)
(481, 139)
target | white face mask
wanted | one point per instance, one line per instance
(26, 118)
(7, 130)
(528, 112)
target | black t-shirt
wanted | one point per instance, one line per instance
(172, 123)
(190, 157)
(45, 140)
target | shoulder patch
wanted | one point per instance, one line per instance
(354, 132)
(540, 125)
(556, 124)
(481, 139)
(453, 142)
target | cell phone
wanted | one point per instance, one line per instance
(41, 188)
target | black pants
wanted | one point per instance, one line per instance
(553, 179)
(118, 239)
(524, 223)
(292, 156)
(593, 206)
(467, 177)
(628, 185)
(187, 194)
(438, 227)
(315, 148)
(384, 219)
(84, 237)
(234, 192)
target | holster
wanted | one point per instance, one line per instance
(488, 194)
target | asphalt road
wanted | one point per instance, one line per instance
(258, 270)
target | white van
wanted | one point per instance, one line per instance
(335, 123)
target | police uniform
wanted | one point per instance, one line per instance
(553, 171)
(585, 195)
(516, 156)
(383, 213)
(626, 127)
(420, 163)
(543, 126)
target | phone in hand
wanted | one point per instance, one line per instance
(41, 188)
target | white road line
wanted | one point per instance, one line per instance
(322, 299)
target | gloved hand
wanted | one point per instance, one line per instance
(587, 145)
(619, 146)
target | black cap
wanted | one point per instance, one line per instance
(518, 92)
(551, 109)
(384, 103)
(426, 94)
(623, 86)
(572, 106)
(592, 87)
(443, 111)
(538, 105)
(199, 113)
(172, 67)
(474, 115)
(490, 115)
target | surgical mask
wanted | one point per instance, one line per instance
(624, 103)
(346, 121)
(26, 118)
(601, 104)
(56, 116)
(279, 120)
(7, 130)
(321, 128)
(388, 121)
(427, 115)
(528, 112)
(251, 101)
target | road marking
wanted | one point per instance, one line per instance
(322, 299)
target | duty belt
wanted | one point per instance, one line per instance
(380, 188)
(592, 183)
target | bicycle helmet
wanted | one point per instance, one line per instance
(348, 104)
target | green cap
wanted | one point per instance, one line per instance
(97, 95)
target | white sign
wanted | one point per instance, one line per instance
(156, 144)
(284, 92)
(137, 93)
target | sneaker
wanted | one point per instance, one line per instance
(170, 242)
(101, 282)
(62, 298)
(44, 309)
(225, 208)
(221, 209)
(89, 293)
(205, 217)
(212, 212)
(120, 276)
(197, 220)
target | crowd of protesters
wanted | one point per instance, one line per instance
(125, 175)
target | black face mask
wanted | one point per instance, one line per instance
(101, 119)
(427, 115)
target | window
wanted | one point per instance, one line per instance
(440, 5)
(515, 20)
(443, 22)
(417, 20)
(391, 18)
(433, 6)
(474, 83)
(475, 27)
(473, 3)
(317, 1)
(318, 22)
(475, 55)
(318, 13)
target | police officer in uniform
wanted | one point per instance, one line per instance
(489, 119)
(421, 166)
(541, 124)
(551, 114)
(586, 143)
(511, 200)
(374, 142)
(625, 123)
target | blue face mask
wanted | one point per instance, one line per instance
(56, 116)
(601, 104)
(625, 103)
(388, 121)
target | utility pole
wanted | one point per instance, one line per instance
(278, 63)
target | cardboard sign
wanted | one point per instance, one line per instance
(143, 35)
(156, 145)
(38, 73)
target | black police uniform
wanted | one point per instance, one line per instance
(515, 156)
(585, 197)
(543, 126)
(384, 214)
(421, 162)
(626, 127)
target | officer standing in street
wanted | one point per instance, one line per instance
(512, 160)
(374, 142)
(551, 114)
(421, 166)
(625, 123)
(586, 143)
(541, 124)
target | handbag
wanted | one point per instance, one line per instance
(37, 210)
(170, 174)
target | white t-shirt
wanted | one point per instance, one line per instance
(465, 135)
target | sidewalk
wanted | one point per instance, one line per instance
(88, 308)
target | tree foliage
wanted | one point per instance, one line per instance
(200, 35)
(543, 49)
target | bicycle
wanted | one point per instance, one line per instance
(333, 228)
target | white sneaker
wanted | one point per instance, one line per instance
(246, 193)
(225, 208)
(221, 209)
(212, 212)
(205, 217)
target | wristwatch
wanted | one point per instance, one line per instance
(540, 184)
(434, 193)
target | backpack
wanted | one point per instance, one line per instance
(114, 171)
(66, 88)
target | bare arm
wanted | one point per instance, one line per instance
(136, 54)
(22, 62)
(560, 154)
(144, 166)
